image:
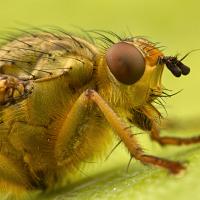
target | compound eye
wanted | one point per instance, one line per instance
(125, 62)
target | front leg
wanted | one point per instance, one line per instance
(167, 140)
(13, 89)
(78, 112)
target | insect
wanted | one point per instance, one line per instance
(63, 98)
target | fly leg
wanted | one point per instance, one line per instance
(166, 140)
(13, 89)
(70, 127)
(125, 134)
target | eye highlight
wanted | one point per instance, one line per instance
(125, 62)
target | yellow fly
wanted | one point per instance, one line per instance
(63, 97)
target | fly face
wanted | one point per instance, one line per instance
(134, 63)
(138, 65)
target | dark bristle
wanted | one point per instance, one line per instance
(54, 35)
(15, 60)
(103, 36)
(187, 54)
(23, 32)
(112, 150)
(42, 30)
(34, 50)
(104, 41)
(159, 102)
(62, 31)
(24, 70)
(56, 44)
(29, 45)
(129, 162)
(14, 37)
(87, 35)
(8, 51)
(110, 33)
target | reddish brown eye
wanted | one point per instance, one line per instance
(125, 62)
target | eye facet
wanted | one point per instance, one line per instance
(125, 62)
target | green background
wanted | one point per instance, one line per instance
(176, 25)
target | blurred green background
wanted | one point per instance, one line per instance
(176, 24)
